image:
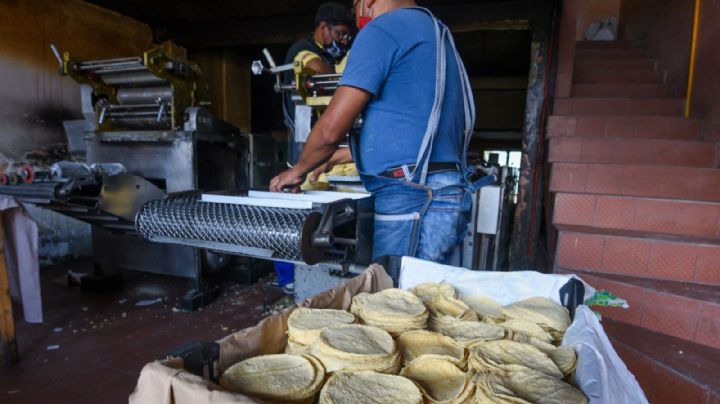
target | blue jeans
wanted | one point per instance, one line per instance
(426, 222)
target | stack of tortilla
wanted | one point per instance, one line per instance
(520, 385)
(395, 311)
(356, 347)
(486, 357)
(486, 308)
(305, 325)
(553, 318)
(369, 387)
(428, 291)
(284, 378)
(455, 319)
(448, 350)
(421, 344)
(440, 381)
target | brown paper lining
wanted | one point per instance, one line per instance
(165, 382)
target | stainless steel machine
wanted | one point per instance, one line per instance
(146, 117)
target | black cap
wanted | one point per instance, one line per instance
(333, 12)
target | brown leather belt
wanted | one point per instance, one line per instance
(433, 168)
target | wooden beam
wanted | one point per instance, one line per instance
(528, 213)
(7, 323)
(283, 29)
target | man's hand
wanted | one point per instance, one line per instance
(289, 179)
(325, 168)
(328, 132)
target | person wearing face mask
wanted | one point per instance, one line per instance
(323, 52)
(407, 81)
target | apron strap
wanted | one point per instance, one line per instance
(424, 154)
(423, 158)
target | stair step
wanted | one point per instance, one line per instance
(669, 370)
(631, 53)
(665, 307)
(619, 106)
(654, 127)
(623, 254)
(606, 45)
(616, 64)
(697, 184)
(636, 151)
(617, 76)
(661, 217)
(623, 90)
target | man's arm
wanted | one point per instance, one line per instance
(312, 61)
(317, 65)
(326, 135)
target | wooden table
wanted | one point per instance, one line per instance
(7, 324)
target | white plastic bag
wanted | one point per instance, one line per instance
(600, 374)
(605, 30)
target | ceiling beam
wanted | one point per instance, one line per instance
(283, 29)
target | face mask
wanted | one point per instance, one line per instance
(363, 20)
(336, 49)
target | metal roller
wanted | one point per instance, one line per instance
(269, 232)
(137, 122)
(138, 78)
(143, 95)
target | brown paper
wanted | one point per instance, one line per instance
(165, 382)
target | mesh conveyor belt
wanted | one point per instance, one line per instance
(187, 218)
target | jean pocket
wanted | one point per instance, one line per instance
(450, 202)
(439, 233)
(395, 234)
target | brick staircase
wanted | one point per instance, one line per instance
(635, 196)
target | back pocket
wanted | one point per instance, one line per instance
(395, 234)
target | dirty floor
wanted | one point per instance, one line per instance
(91, 347)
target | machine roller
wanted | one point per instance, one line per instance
(315, 227)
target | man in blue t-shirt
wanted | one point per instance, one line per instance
(410, 151)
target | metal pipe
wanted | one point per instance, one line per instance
(143, 95)
(693, 55)
(116, 60)
(282, 68)
(345, 241)
(138, 114)
(327, 82)
(132, 78)
(98, 68)
(120, 69)
(118, 107)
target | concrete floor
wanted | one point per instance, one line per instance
(104, 339)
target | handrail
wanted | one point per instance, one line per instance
(693, 54)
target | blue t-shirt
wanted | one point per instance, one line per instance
(394, 59)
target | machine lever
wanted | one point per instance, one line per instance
(161, 111)
(101, 118)
(55, 52)
(269, 57)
